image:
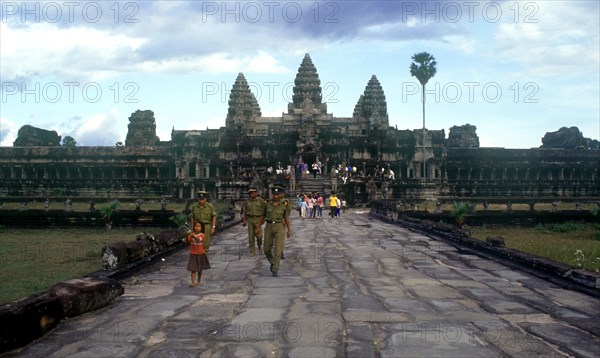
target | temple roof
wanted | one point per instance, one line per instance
(307, 84)
(372, 103)
(242, 102)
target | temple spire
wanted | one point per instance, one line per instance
(372, 106)
(242, 103)
(307, 84)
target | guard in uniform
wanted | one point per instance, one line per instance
(204, 213)
(276, 214)
(253, 210)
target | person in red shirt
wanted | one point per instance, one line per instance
(198, 259)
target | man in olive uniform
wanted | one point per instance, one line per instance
(204, 213)
(276, 214)
(253, 210)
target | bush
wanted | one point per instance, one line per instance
(567, 227)
(460, 210)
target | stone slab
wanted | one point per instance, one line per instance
(373, 316)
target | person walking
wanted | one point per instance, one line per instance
(253, 209)
(204, 213)
(333, 204)
(319, 206)
(276, 214)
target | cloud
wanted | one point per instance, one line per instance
(558, 38)
(8, 132)
(198, 37)
(101, 129)
(217, 63)
(70, 53)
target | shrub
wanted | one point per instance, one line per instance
(460, 210)
(567, 227)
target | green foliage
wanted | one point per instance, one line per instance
(460, 210)
(69, 141)
(423, 67)
(567, 227)
(180, 219)
(108, 211)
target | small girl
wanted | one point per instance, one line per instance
(198, 259)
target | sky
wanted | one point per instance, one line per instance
(513, 69)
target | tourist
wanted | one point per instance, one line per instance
(276, 214)
(253, 209)
(198, 260)
(204, 213)
(333, 203)
(303, 206)
(319, 206)
(299, 203)
(310, 203)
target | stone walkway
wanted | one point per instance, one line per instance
(349, 287)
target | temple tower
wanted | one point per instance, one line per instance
(141, 130)
(372, 106)
(243, 105)
(307, 85)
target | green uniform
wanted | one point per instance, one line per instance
(275, 231)
(254, 209)
(204, 214)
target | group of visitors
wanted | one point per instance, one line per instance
(310, 206)
(274, 213)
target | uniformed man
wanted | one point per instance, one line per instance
(253, 210)
(204, 213)
(276, 214)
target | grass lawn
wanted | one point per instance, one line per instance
(32, 260)
(571, 243)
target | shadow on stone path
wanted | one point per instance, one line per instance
(349, 287)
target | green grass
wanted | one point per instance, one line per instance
(32, 260)
(571, 243)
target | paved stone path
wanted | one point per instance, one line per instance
(352, 287)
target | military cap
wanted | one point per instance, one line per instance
(251, 189)
(277, 190)
(201, 194)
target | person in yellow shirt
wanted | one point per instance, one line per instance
(333, 204)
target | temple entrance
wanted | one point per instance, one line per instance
(309, 158)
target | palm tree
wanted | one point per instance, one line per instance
(423, 68)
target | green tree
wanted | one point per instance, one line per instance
(423, 68)
(69, 141)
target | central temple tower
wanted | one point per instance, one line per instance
(307, 90)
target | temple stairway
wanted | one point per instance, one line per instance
(320, 184)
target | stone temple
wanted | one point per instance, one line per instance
(249, 150)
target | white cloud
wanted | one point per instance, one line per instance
(101, 129)
(72, 53)
(8, 132)
(216, 63)
(560, 37)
